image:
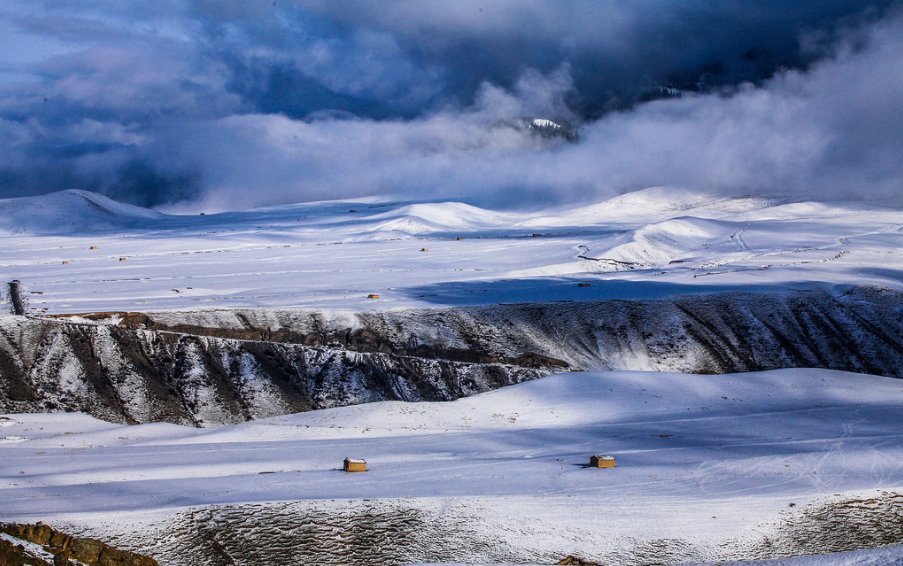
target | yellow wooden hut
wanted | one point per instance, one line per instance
(354, 465)
(604, 461)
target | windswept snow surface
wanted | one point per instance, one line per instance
(332, 255)
(708, 468)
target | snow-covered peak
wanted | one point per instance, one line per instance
(550, 129)
(540, 123)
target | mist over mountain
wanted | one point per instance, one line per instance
(187, 105)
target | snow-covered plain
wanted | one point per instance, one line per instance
(332, 255)
(709, 467)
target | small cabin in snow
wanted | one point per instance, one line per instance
(605, 461)
(354, 465)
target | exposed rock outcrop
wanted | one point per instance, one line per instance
(572, 561)
(40, 545)
(136, 376)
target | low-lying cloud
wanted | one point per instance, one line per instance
(236, 104)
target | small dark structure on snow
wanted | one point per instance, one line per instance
(15, 297)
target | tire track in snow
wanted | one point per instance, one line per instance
(737, 238)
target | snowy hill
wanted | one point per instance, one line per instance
(427, 219)
(212, 368)
(71, 212)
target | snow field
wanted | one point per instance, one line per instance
(332, 255)
(706, 460)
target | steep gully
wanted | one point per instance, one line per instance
(212, 368)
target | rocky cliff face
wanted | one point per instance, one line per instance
(140, 375)
(219, 367)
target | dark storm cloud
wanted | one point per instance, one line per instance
(617, 50)
(237, 103)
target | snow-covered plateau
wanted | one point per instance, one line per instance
(475, 359)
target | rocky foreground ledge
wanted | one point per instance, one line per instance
(39, 545)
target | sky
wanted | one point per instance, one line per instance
(230, 104)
